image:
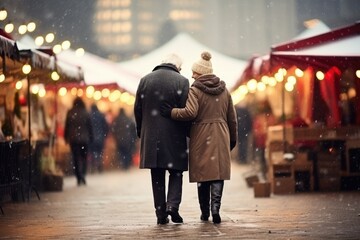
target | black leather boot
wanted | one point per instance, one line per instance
(174, 213)
(216, 195)
(204, 199)
(162, 216)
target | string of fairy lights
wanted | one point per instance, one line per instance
(50, 38)
(261, 84)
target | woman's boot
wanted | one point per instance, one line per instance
(204, 199)
(216, 195)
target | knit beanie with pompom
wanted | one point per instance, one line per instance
(203, 66)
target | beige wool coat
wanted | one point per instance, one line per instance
(214, 124)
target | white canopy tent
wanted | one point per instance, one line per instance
(96, 70)
(227, 68)
(100, 71)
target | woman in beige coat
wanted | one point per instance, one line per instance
(212, 136)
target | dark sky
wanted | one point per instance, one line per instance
(69, 19)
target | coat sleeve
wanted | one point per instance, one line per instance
(232, 120)
(191, 108)
(138, 109)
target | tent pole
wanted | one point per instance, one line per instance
(31, 187)
(283, 118)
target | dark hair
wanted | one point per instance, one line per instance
(78, 102)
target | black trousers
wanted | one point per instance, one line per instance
(79, 154)
(174, 192)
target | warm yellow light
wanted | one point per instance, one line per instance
(80, 92)
(66, 45)
(73, 91)
(9, 28)
(22, 29)
(2, 77)
(289, 87)
(125, 97)
(39, 40)
(55, 76)
(57, 48)
(265, 79)
(26, 69)
(42, 92)
(49, 37)
(282, 71)
(279, 76)
(243, 90)
(97, 95)
(252, 85)
(79, 52)
(90, 91)
(272, 81)
(352, 92)
(131, 100)
(291, 80)
(320, 75)
(358, 73)
(35, 89)
(31, 26)
(105, 92)
(261, 86)
(3, 14)
(114, 96)
(299, 72)
(18, 85)
(62, 91)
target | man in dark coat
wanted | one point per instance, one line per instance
(123, 128)
(78, 133)
(100, 130)
(244, 130)
(163, 141)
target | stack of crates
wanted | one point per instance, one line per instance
(329, 171)
(283, 181)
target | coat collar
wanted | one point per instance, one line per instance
(166, 66)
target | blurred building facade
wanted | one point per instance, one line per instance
(123, 29)
(238, 28)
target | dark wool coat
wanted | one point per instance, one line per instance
(163, 140)
(123, 128)
(78, 128)
(210, 106)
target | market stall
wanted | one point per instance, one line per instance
(316, 81)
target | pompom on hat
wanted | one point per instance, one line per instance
(203, 66)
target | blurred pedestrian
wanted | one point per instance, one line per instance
(123, 128)
(213, 135)
(100, 130)
(262, 121)
(244, 132)
(163, 145)
(78, 134)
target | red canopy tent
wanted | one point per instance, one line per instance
(337, 55)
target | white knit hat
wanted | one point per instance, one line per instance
(203, 66)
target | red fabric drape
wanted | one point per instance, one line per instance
(330, 93)
(305, 95)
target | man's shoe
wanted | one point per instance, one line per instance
(216, 218)
(162, 221)
(204, 218)
(174, 213)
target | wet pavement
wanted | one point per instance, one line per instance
(118, 205)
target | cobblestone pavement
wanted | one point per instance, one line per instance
(118, 205)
